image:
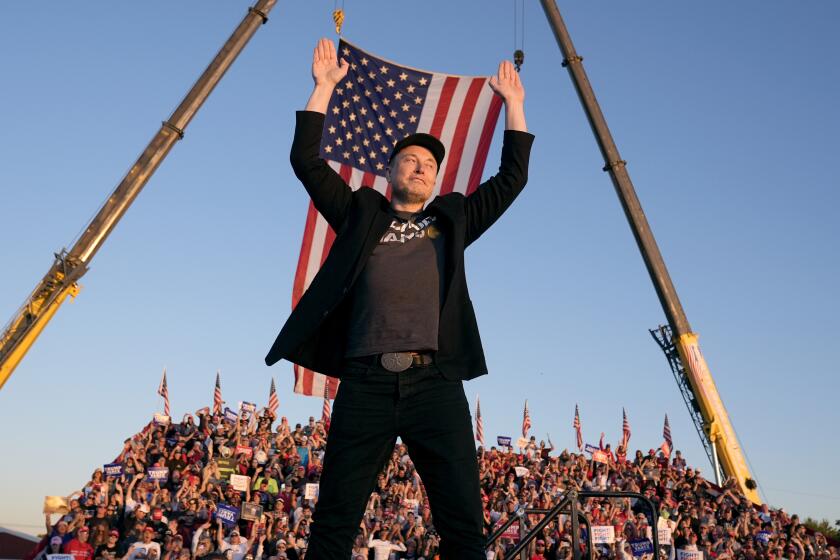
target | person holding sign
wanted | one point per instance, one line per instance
(390, 315)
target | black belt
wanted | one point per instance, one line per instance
(398, 361)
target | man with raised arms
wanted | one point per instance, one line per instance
(390, 315)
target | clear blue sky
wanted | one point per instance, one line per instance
(726, 113)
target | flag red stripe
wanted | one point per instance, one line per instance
(308, 378)
(305, 251)
(446, 93)
(456, 148)
(368, 179)
(484, 143)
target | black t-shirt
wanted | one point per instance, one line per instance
(395, 301)
(99, 527)
(177, 463)
(115, 550)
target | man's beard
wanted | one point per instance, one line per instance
(408, 197)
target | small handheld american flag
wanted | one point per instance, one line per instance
(163, 391)
(479, 423)
(526, 420)
(625, 430)
(577, 427)
(217, 396)
(273, 403)
(668, 444)
(325, 409)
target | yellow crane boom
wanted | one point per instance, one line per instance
(706, 408)
(62, 278)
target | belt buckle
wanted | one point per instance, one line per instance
(396, 361)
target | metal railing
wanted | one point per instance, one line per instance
(569, 505)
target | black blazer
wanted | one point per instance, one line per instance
(314, 335)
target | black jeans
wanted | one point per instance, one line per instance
(431, 415)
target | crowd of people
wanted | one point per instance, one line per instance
(170, 495)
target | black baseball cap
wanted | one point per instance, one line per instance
(424, 140)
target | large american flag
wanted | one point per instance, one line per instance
(625, 430)
(668, 444)
(273, 403)
(163, 391)
(526, 420)
(377, 104)
(577, 427)
(479, 423)
(217, 396)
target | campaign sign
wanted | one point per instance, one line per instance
(511, 532)
(160, 419)
(503, 441)
(689, 554)
(664, 535)
(600, 456)
(228, 515)
(244, 450)
(247, 408)
(240, 482)
(231, 415)
(60, 557)
(640, 547)
(763, 537)
(603, 534)
(311, 491)
(56, 504)
(157, 474)
(112, 470)
(251, 512)
(521, 471)
(589, 448)
(226, 466)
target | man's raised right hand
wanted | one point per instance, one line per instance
(327, 70)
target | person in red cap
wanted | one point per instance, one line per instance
(146, 548)
(389, 312)
(110, 549)
(79, 547)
